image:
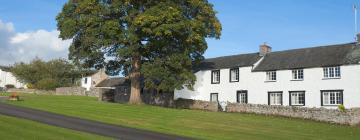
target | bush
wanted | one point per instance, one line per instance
(9, 86)
(46, 84)
(30, 86)
(342, 108)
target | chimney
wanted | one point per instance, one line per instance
(264, 49)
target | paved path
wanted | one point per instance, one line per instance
(115, 131)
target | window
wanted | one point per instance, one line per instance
(331, 97)
(85, 81)
(298, 74)
(215, 77)
(332, 72)
(297, 98)
(275, 98)
(241, 96)
(234, 75)
(271, 76)
(214, 97)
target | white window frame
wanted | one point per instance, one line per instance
(295, 98)
(211, 97)
(215, 77)
(241, 97)
(332, 97)
(234, 76)
(332, 72)
(271, 76)
(275, 98)
(298, 74)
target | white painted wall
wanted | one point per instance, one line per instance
(254, 83)
(86, 85)
(7, 78)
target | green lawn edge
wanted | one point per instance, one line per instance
(191, 123)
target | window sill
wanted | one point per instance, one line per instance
(234, 81)
(297, 80)
(270, 81)
(298, 105)
(331, 78)
(332, 105)
(216, 83)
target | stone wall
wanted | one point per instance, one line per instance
(164, 99)
(197, 104)
(71, 91)
(97, 92)
(33, 91)
(347, 117)
(152, 97)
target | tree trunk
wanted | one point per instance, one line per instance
(135, 97)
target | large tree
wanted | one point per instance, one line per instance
(155, 41)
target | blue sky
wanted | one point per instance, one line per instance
(283, 24)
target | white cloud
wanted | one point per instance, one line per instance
(25, 46)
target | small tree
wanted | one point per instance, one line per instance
(46, 75)
(158, 40)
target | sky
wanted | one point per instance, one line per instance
(28, 27)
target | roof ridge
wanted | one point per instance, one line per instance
(295, 49)
(230, 55)
(322, 46)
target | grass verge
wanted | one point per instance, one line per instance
(191, 123)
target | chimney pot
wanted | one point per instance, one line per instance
(264, 49)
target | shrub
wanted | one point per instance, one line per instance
(30, 86)
(47, 84)
(9, 86)
(342, 108)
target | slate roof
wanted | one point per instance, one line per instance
(241, 60)
(114, 82)
(332, 55)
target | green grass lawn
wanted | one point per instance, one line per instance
(196, 124)
(19, 129)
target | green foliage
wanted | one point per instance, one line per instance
(169, 36)
(9, 86)
(341, 107)
(46, 75)
(47, 84)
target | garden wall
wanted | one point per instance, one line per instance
(347, 117)
(197, 104)
(33, 91)
(71, 91)
(164, 99)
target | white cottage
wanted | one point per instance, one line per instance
(324, 76)
(7, 78)
(91, 80)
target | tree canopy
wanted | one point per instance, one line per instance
(158, 40)
(46, 75)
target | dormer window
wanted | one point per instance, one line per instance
(298, 74)
(271, 76)
(332, 72)
(234, 75)
(215, 77)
